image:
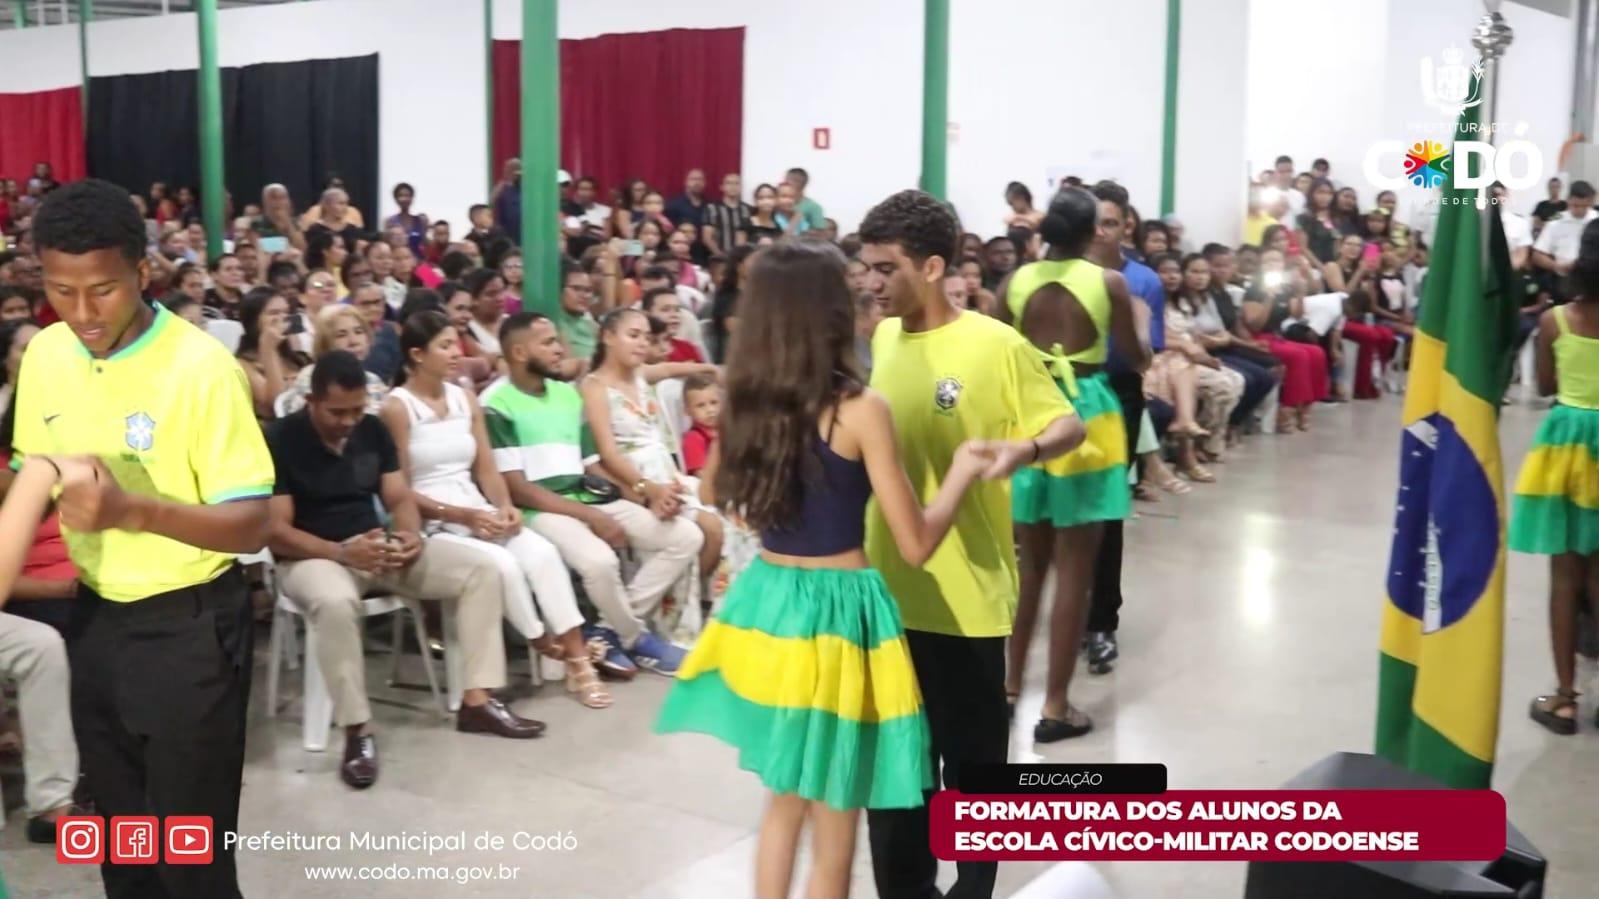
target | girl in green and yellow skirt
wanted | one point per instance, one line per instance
(1067, 307)
(805, 670)
(1556, 507)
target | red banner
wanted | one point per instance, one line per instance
(1222, 825)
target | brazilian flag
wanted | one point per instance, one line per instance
(1443, 624)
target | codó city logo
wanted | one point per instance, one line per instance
(1468, 164)
(1426, 163)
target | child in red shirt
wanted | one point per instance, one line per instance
(662, 303)
(702, 397)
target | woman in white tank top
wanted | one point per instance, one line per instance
(443, 444)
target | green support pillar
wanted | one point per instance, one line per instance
(19, 13)
(85, 13)
(541, 153)
(212, 192)
(1168, 140)
(935, 97)
(488, 90)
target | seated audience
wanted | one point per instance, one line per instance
(384, 358)
(487, 288)
(625, 416)
(344, 329)
(662, 303)
(541, 441)
(575, 323)
(267, 350)
(227, 287)
(762, 225)
(478, 366)
(512, 272)
(689, 299)
(1214, 331)
(1269, 307)
(333, 460)
(444, 450)
(702, 398)
(1217, 389)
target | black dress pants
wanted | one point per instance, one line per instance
(159, 692)
(962, 680)
(1105, 600)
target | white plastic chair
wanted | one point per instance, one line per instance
(317, 705)
(227, 331)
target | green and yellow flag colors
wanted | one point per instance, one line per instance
(1443, 622)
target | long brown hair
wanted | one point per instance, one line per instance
(792, 358)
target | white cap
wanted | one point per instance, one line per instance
(562, 176)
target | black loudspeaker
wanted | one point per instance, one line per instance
(1518, 874)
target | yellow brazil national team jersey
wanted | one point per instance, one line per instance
(973, 378)
(170, 415)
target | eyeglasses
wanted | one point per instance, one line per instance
(321, 285)
(370, 302)
(581, 291)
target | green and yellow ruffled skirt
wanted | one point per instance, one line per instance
(807, 673)
(1089, 483)
(1556, 506)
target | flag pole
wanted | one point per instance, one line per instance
(1491, 37)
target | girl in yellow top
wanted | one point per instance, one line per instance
(1556, 507)
(1068, 308)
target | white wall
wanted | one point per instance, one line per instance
(1212, 82)
(852, 67)
(1062, 103)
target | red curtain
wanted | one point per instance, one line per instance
(42, 127)
(650, 105)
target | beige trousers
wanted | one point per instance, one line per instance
(330, 594)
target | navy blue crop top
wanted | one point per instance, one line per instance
(832, 514)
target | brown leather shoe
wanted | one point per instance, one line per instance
(493, 717)
(360, 768)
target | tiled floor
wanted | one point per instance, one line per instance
(1249, 646)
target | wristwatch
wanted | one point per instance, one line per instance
(639, 487)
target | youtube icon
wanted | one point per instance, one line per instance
(188, 840)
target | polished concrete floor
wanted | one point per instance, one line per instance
(1249, 651)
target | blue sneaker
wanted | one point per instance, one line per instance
(657, 655)
(605, 648)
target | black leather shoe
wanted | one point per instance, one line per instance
(493, 717)
(43, 830)
(1102, 648)
(360, 768)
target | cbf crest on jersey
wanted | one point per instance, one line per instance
(139, 432)
(946, 393)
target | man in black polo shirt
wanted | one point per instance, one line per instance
(332, 460)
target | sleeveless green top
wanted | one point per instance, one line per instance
(1576, 366)
(1086, 281)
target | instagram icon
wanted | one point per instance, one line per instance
(80, 839)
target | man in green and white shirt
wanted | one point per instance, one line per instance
(544, 448)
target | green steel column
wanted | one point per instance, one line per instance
(212, 192)
(19, 13)
(85, 13)
(488, 88)
(1168, 140)
(935, 97)
(541, 152)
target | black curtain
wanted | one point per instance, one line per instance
(297, 123)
